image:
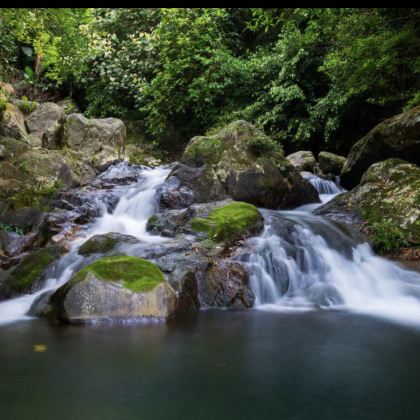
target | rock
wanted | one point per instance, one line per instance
(68, 105)
(329, 163)
(101, 244)
(25, 106)
(186, 185)
(101, 139)
(115, 288)
(396, 137)
(388, 197)
(227, 286)
(12, 123)
(28, 275)
(46, 124)
(242, 163)
(229, 222)
(2, 152)
(302, 160)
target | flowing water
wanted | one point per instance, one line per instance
(319, 343)
(130, 216)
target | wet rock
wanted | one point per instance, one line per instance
(396, 137)
(46, 123)
(187, 185)
(329, 163)
(302, 160)
(226, 285)
(115, 288)
(101, 244)
(28, 275)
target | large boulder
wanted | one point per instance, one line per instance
(101, 139)
(115, 288)
(396, 137)
(46, 124)
(242, 163)
(302, 160)
(329, 163)
(186, 185)
(12, 123)
(385, 205)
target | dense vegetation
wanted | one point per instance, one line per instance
(312, 78)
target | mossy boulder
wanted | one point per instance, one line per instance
(396, 137)
(241, 162)
(101, 244)
(28, 275)
(302, 160)
(330, 163)
(229, 222)
(119, 287)
(386, 204)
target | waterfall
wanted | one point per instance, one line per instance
(130, 216)
(303, 261)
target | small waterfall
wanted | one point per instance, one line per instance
(304, 261)
(130, 216)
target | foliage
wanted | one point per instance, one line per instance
(9, 228)
(387, 236)
(27, 106)
(304, 76)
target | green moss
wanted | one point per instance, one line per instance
(151, 222)
(30, 270)
(98, 245)
(228, 222)
(207, 149)
(387, 236)
(136, 274)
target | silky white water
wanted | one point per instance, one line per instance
(129, 217)
(317, 263)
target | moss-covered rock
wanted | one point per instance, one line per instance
(29, 273)
(101, 244)
(397, 137)
(241, 162)
(229, 222)
(330, 163)
(119, 287)
(386, 204)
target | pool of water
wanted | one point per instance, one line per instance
(222, 365)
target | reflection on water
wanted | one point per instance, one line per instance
(223, 365)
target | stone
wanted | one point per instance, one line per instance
(239, 162)
(302, 160)
(329, 163)
(46, 124)
(12, 123)
(115, 288)
(101, 244)
(396, 137)
(389, 193)
(103, 140)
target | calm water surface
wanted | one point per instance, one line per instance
(223, 365)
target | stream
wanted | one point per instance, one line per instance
(333, 334)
